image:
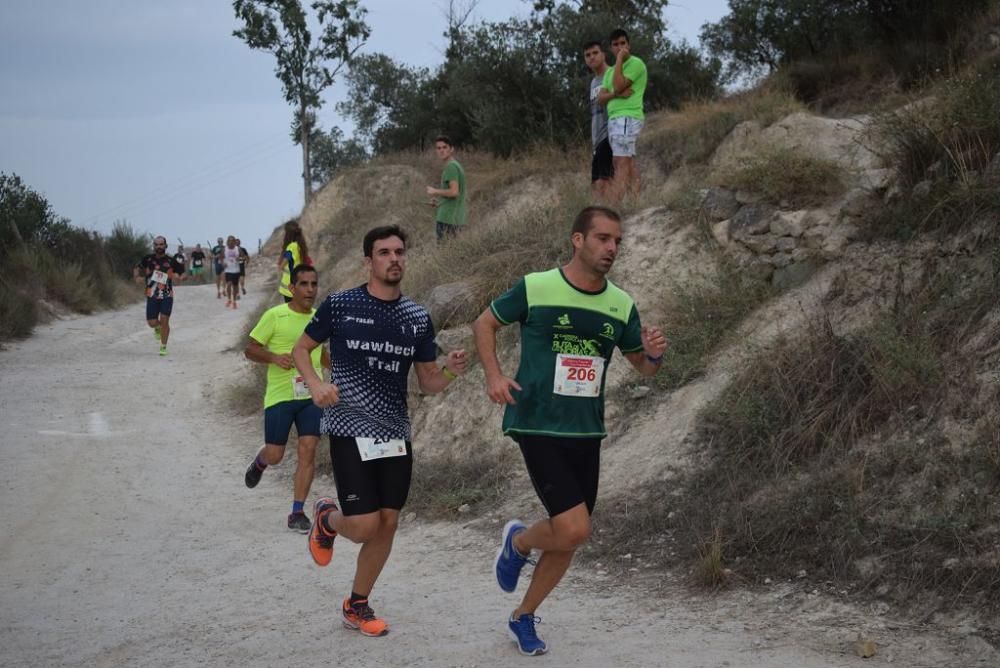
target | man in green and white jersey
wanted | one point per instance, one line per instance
(449, 199)
(624, 88)
(572, 318)
(287, 399)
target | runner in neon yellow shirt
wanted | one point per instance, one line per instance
(287, 399)
(294, 252)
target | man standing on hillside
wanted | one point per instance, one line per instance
(624, 86)
(572, 318)
(218, 259)
(601, 167)
(158, 272)
(450, 197)
(287, 399)
(375, 334)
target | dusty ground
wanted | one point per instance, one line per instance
(128, 538)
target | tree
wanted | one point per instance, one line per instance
(759, 36)
(305, 68)
(392, 104)
(332, 152)
(25, 215)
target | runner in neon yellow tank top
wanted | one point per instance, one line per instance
(294, 252)
(287, 400)
(572, 318)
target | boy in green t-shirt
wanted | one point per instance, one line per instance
(451, 205)
(625, 85)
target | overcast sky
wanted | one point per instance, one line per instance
(152, 112)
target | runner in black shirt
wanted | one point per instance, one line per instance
(180, 263)
(158, 271)
(198, 263)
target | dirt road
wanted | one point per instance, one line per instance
(129, 538)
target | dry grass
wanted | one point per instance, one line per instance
(699, 314)
(786, 177)
(690, 135)
(492, 258)
(950, 142)
(444, 482)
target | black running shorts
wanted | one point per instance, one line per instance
(564, 471)
(365, 487)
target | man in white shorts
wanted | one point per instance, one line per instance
(625, 84)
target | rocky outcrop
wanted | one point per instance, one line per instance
(787, 245)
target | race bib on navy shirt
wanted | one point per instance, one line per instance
(373, 343)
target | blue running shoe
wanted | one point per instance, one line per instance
(509, 561)
(522, 630)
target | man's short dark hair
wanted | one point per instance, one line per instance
(585, 219)
(587, 45)
(615, 34)
(445, 139)
(379, 233)
(302, 269)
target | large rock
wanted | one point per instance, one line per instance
(842, 141)
(751, 220)
(789, 223)
(719, 204)
(451, 304)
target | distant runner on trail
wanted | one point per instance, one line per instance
(571, 320)
(180, 262)
(158, 272)
(287, 399)
(231, 262)
(198, 263)
(375, 335)
(218, 257)
(244, 261)
(294, 252)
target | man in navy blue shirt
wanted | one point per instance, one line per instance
(375, 335)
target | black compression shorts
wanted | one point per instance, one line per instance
(564, 471)
(365, 487)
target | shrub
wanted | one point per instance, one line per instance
(699, 314)
(67, 284)
(18, 311)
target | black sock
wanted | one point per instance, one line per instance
(356, 597)
(325, 523)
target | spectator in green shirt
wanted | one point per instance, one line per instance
(625, 85)
(449, 199)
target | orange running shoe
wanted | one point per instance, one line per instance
(361, 617)
(321, 540)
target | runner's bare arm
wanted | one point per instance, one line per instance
(648, 360)
(256, 352)
(498, 386)
(324, 360)
(434, 379)
(323, 394)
